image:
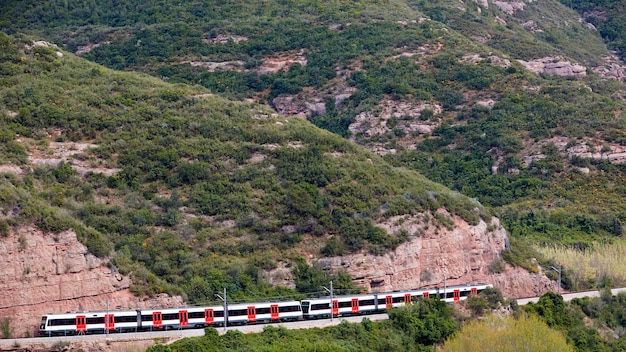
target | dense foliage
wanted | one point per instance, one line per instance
(573, 318)
(607, 17)
(413, 328)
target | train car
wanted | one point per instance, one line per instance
(181, 318)
(249, 313)
(341, 305)
(88, 322)
(456, 293)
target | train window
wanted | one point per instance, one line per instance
(146, 317)
(238, 312)
(263, 310)
(196, 315)
(366, 302)
(170, 316)
(294, 308)
(128, 318)
(320, 306)
(218, 313)
(96, 320)
(60, 322)
(345, 304)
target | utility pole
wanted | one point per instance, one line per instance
(444, 287)
(558, 292)
(331, 298)
(223, 298)
(107, 323)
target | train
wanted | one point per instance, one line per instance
(74, 323)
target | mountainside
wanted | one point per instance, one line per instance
(187, 193)
(208, 172)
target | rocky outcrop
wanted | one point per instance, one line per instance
(51, 273)
(555, 66)
(464, 254)
(414, 119)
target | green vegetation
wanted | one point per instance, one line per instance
(573, 319)
(599, 265)
(189, 192)
(507, 334)
(607, 17)
(208, 192)
(414, 328)
(6, 328)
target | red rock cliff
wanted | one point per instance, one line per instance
(51, 273)
(463, 254)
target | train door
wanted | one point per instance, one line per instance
(274, 311)
(109, 322)
(457, 295)
(81, 323)
(209, 316)
(473, 291)
(425, 294)
(335, 307)
(251, 314)
(407, 299)
(388, 302)
(183, 318)
(355, 306)
(157, 319)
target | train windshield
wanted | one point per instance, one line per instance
(305, 307)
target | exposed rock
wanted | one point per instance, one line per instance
(282, 62)
(486, 103)
(10, 168)
(307, 103)
(555, 66)
(224, 38)
(510, 7)
(58, 152)
(281, 276)
(532, 26)
(53, 272)
(213, 66)
(483, 3)
(83, 49)
(463, 255)
(401, 115)
(565, 69)
(494, 60)
(613, 68)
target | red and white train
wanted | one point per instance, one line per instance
(243, 313)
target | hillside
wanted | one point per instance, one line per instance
(184, 192)
(208, 170)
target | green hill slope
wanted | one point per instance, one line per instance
(186, 169)
(433, 86)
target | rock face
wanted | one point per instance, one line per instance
(463, 255)
(555, 66)
(53, 273)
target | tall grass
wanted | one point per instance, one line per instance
(507, 334)
(599, 265)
